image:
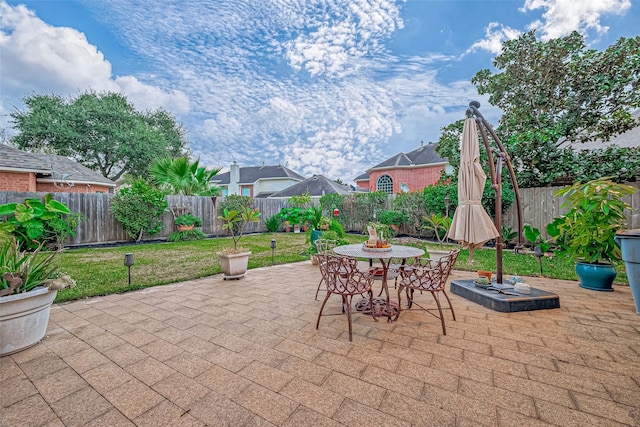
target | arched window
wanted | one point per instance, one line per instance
(385, 183)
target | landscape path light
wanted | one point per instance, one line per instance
(128, 262)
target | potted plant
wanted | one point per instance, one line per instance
(234, 261)
(187, 222)
(586, 233)
(439, 226)
(29, 283)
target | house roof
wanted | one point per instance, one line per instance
(251, 174)
(12, 159)
(317, 185)
(630, 138)
(362, 176)
(49, 167)
(423, 155)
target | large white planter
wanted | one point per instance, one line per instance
(436, 254)
(234, 266)
(23, 319)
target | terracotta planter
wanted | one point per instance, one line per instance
(234, 266)
(185, 227)
(23, 319)
(485, 273)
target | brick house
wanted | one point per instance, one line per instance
(255, 181)
(31, 172)
(405, 172)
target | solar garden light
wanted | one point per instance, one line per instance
(273, 248)
(128, 262)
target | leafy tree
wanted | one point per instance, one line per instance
(102, 131)
(559, 91)
(180, 176)
(139, 208)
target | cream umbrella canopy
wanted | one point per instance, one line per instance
(471, 226)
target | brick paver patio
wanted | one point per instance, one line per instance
(245, 353)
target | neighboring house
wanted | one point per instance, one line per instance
(255, 181)
(629, 139)
(405, 172)
(31, 172)
(316, 186)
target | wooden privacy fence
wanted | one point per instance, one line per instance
(539, 209)
(101, 227)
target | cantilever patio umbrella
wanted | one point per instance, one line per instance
(471, 226)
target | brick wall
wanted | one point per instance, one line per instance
(17, 181)
(415, 178)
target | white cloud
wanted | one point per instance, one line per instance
(561, 17)
(495, 35)
(40, 58)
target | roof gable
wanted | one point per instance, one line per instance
(49, 167)
(422, 156)
(251, 174)
(317, 185)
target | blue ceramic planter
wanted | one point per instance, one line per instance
(597, 277)
(629, 241)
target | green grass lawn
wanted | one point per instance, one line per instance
(101, 271)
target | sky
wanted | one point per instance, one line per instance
(329, 87)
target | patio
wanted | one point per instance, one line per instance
(244, 353)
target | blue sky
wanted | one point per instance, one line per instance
(331, 87)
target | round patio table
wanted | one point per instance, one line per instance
(384, 255)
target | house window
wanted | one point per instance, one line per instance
(246, 191)
(225, 192)
(385, 183)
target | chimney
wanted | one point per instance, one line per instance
(234, 178)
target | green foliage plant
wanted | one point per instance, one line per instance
(508, 234)
(438, 225)
(29, 221)
(392, 217)
(22, 271)
(235, 223)
(336, 227)
(236, 202)
(414, 205)
(300, 201)
(272, 223)
(540, 245)
(186, 236)
(64, 227)
(188, 220)
(313, 216)
(139, 207)
(595, 214)
(183, 177)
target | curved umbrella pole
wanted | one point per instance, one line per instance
(496, 181)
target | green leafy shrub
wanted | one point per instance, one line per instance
(596, 213)
(34, 222)
(235, 223)
(392, 217)
(235, 202)
(188, 220)
(438, 225)
(187, 235)
(139, 208)
(272, 223)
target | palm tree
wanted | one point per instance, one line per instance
(182, 177)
